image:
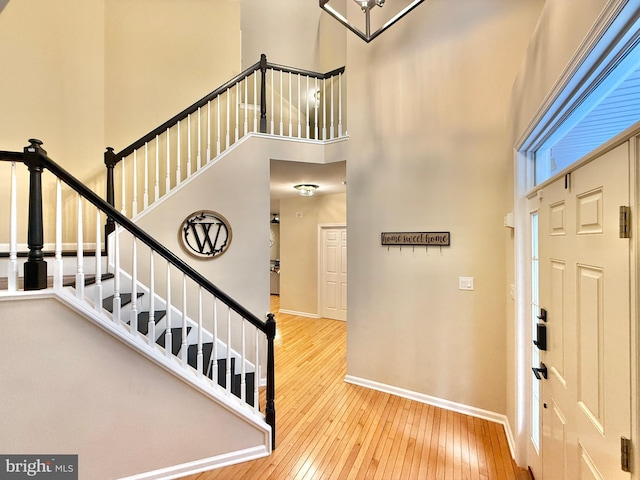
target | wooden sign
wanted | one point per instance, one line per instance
(437, 239)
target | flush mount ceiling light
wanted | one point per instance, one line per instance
(306, 189)
(366, 6)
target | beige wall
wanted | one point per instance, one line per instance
(70, 387)
(161, 56)
(311, 39)
(52, 84)
(550, 51)
(428, 152)
(299, 220)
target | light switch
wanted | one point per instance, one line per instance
(465, 283)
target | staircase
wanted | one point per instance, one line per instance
(160, 306)
(213, 367)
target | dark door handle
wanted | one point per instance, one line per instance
(541, 334)
(540, 371)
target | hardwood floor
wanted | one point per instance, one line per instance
(329, 429)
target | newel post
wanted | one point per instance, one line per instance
(110, 162)
(270, 407)
(263, 93)
(35, 268)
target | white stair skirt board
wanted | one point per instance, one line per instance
(203, 465)
(440, 403)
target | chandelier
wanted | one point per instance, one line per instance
(367, 6)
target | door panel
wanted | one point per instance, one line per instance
(584, 285)
(333, 281)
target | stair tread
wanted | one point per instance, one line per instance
(192, 355)
(125, 298)
(143, 320)
(70, 280)
(176, 332)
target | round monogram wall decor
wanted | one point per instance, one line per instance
(205, 234)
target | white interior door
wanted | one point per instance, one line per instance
(333, 273)
(584, 269)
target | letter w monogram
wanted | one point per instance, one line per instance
(202, 236)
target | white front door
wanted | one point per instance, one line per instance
(333, 273)
(584, 282)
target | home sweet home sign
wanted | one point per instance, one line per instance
(436, 239)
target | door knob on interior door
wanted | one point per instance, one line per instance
(540, 371)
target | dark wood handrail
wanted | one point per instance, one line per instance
(136, 231)
(262, 65)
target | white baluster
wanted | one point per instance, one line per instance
(116, 276)
(243, 369)
(317, 105)
(151, 327)
(281, 108)
(237, 106)
(12, 270)
(228, 372)
(272, 106)
(167, 332)
(199, 358)
(246, 106)
(58, 265)
(178, 173)
(308, 122)
(299, 111)
(145, 195)
(340, 104)
(255, 105)
(156, 186)
(331, 129)
(123, 197)
(218, 129)
(213, 362)
(290, 100)
(228, 129)
(188, 146)
(324, 109)
(183, 346)
(168, 177)
(133, 318)
(97, 290)
(80, 254)
(134, 203)
(256, 377)
(208, 131)
(199, 157)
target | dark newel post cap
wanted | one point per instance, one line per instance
(263, 62)
(271, 326)
(109, 157)
(35, 145)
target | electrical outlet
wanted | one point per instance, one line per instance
(465, 283)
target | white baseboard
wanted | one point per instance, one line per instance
(203, 465)
(299, 314)
(440, 403)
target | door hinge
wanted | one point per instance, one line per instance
(625, 454)
(625, 222)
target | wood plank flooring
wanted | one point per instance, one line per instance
(329, 429)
